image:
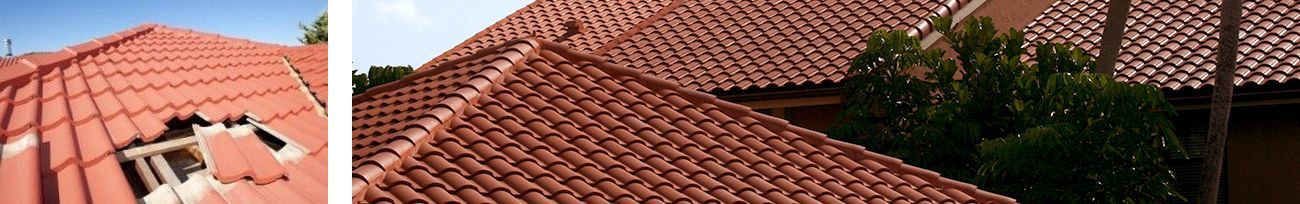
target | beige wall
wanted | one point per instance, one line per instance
(1263, 154)
(817, 118)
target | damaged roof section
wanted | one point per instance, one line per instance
(65, 114)
(532, 120)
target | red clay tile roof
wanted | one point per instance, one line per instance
(739, 45)
(531, 120)
(64, 114)
(719, 45)
(602, 20)
(6, 61)
(1171, 44)
(311, 62)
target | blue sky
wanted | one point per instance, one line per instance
(47, 25)
(411, 32)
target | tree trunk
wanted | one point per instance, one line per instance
(1221, 104)
(1112, 36)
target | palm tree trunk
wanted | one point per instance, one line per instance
(1112, 36)
(1221, 104)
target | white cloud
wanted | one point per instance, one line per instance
(404, 11)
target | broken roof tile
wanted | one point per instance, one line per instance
(80, 104)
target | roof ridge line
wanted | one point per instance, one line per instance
(37, 62)
(441, 67)
(220, 37)
(418, 131)
(635, 29)
(447, 53)
(34, 63)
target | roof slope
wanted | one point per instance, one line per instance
(531, 120)
(603, 21)
(1171, 44)
(311, 62)
(739, 45)
(718, 45)
(6, 61)
(63, 114)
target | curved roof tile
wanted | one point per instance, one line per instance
(63, 114)
(1171, 44)
(532, 120)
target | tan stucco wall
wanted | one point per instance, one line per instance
(1263, 154)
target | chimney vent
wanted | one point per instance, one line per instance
(9, 47)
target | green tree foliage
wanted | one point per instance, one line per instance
(317, 32)
(1044, 132)
(376, 76)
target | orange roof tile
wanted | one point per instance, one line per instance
(1171, 44)
(6, 61)
(531, 120)
(63, 114)
(717, 46)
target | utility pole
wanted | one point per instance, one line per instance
(1112, 36)
(1221, 104)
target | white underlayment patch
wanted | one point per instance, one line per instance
(191, 191)
(240, 131)
(18, 146)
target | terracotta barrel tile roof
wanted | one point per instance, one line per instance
(603, 21)
(63, 114)
(718, 45)
(739, 45)
(311, 61)
(6, 61)
(1171, 44)
(532, 120)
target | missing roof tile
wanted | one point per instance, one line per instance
(171, 159)
(275, 143)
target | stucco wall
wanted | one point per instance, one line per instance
(1264, 154)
